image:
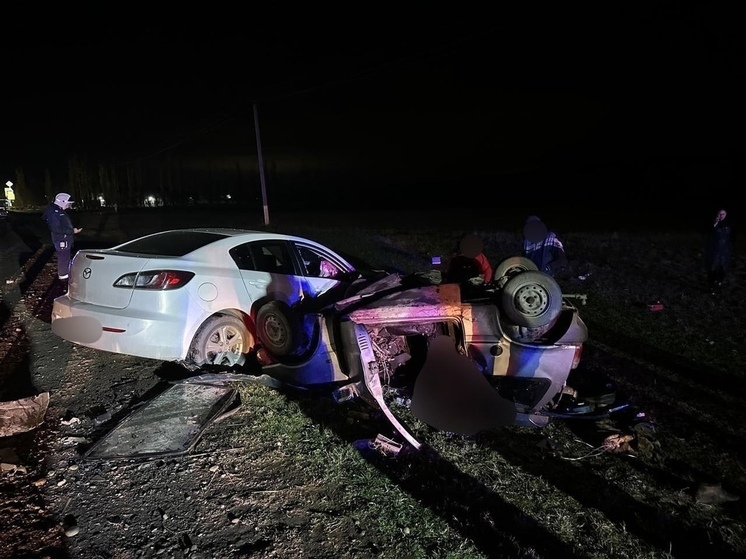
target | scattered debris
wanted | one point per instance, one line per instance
(102, 418)
(170, 423)
(714, 494)
(19, 416)
(582, 297)
(618, 443)
(70, 526)
(10, 462)
(381, 445)
(386, 446)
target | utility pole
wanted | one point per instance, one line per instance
(261, 166)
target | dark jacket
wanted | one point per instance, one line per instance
(719, 247)
(60, 225)
(543, 247)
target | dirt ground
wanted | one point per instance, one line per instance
(221, 501)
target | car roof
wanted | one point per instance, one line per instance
(250, 234)
(179, 242)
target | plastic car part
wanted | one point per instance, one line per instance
(532, 299)
(511, 266)
(278, 328)
(221, 340)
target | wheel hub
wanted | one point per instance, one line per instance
(532, 300)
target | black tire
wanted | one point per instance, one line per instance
(221, 340)
(532, 299)
(511, 266)
(278, 328)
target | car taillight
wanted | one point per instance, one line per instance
(576, 357)
(157, 279)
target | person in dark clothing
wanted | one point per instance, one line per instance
(543, 247)
(62, 231)
(468, 261)
(718, 250)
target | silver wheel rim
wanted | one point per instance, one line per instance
(226, 344)
(532, 300)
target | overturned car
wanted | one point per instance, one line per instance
(464, 357)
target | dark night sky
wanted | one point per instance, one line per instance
(451, 95)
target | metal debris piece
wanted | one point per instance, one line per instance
(386, 446)
(582, 297)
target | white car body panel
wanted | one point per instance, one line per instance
(161, 324)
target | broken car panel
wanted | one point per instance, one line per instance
(451, 351)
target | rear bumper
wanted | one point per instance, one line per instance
(156, 336)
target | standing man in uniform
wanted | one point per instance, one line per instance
(62, 231)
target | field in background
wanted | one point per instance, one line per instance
(290, 468)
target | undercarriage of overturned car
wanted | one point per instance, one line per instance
(459, 357)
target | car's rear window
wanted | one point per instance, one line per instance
(171, 243)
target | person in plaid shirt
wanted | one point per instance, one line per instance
(543, 247)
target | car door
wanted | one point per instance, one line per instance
(269, 271)
(323, 271)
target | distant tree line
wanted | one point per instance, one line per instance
(171, 181)
(178, 180)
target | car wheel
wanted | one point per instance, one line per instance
(512, 266)
(532, 299)
(221, 340)
(278, 328)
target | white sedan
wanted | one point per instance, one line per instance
(196, 296)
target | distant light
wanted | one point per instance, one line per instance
(228, 196)
(9, 184)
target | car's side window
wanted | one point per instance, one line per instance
(272, 257)
(316, 264)
(243, 258)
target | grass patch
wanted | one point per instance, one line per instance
(551, 492)
(387, 516)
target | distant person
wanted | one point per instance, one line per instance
(543, 247)
(718, 251)
(468, 261)
(62, 231)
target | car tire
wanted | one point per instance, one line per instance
(532, 299)
(221, 340)
(511, 266)
(278, 328)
